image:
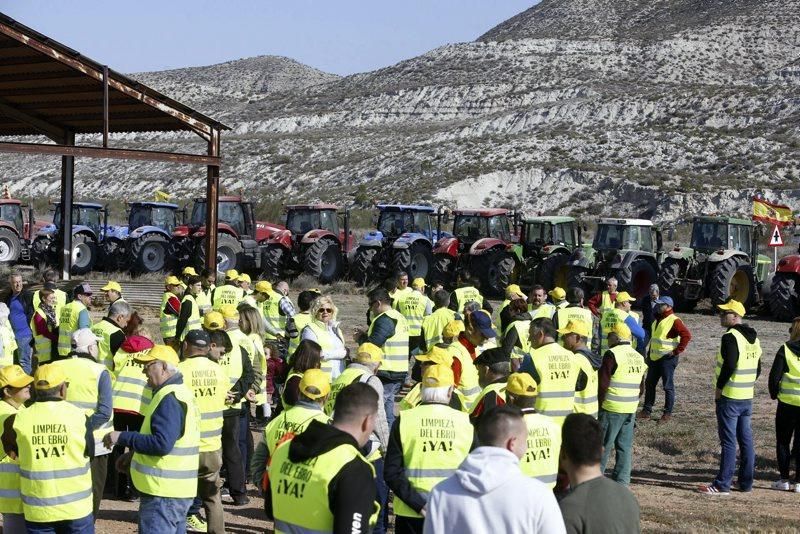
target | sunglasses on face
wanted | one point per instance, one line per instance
(325, 310)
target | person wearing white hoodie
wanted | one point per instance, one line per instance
(489, 492)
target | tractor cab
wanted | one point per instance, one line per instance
(83, 214)
(541, 232)
(472, 225)
(230, 211)
(11, 213)
(626, 234)
(301, 219)
(397, 220)
(714, 233)
(159, 214)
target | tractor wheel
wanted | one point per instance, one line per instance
(40, 252)
(416, 260)
(554, 272)
(229, 251)
(148, 254)
(10, 246)
(733, 278)
(323, 261)
(443, 270)
(637, 278)
(361, 268)
(783, 299)
(670, 270)
(496, 272)
(112, 257)
(179, 252)
(84, 253)
(273, 263)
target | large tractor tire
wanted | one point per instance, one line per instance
(10, 246)
(554, 272)
(323, 261)
(637, 278)
(229, 253)
(273, 259)
(416, 260)
(733, 278)
(179, 254)
(40, 252)
(443, 270)
(496, 272)
(362, 266)
(783, 298)
(149, 254)
(112, 257)
(670, 270)
(84, 253)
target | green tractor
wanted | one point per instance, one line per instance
(721, 262)
(545, 246)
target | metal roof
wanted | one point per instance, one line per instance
(405, 207)
(311, 207)
(554, 220)
(83, 205)
(154, 204)
(488, 212)
(723, 219)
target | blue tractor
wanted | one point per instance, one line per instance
(150, 226)
(403, 241)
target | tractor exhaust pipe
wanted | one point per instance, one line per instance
(439, 215)
(346, 242)
(30, 221)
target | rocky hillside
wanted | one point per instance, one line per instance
(659, 108)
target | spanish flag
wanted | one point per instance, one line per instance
(771, 213)
(161, 196)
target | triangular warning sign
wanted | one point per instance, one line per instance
(776, 240)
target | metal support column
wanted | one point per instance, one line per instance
(212, 197)
(67, 181)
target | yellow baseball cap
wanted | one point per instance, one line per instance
(437, 376)
(49, 376)
(229, 311)
(112, 286)
(418, 283)
(575, 327)
(172, 280)
(453, 328)
(733, 306)
(262, 286)
(14, 376)
(245, 278)
(436, 355)
(213, 321)
(557, 293)
(624, 296)
(315, 384)
(513, 289)
(622, 330)
(521, 385)
(162, 353)
(190, 271)
(232, 275)
(369, 353)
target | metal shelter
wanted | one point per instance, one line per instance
(48, 89)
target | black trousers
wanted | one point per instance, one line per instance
(120, 483)
(787, 424)
(232, 455)
(408, 525)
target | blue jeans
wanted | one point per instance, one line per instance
(733, 424)
(164, 515)
(382, 496)
(84, 525)
(663, 370)
(25, 353)
(390, 389)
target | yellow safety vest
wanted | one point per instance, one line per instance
(789, 392)
(295, 420)
(324, 338)
(466, 294)
(55, 477)
(544, 446)
(497, 387)
(61, 300)
(42, 346)
(193, 323)
(545, 311)
(742, 382)
(226, 295)
(468, 385)
(10, 499)
(586, 400)
(351, 375)
(433, 325)
(301, 321)
(168, 322)
(623, 390)
(574, 313)
(558, 373)
(9, 344)
(395, 349)
(605, 302)
(231, 363)
(300, 498)
(104, 329)
(67, 324)
(660, 344)
(209, 384)
(608, 319)
(413, 307)
(204, 297)
(523, 328)
(435, 440)
(174, 474)
(130, 392)
(271, 311)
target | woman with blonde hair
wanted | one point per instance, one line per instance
(784, 386)
(252, 324)
(324, 329)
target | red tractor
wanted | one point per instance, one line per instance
(312, 242)
(482, 245)
(238, 237)
(16, 231)
(784, 294)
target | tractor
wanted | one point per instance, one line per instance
(546, 244)
(94, 242)
(403, 241)
(312, 242)
(150, 227)
(238, 236)
(629, 250)
(721, 262)
(784, 299)
(16, 232)
(482, 245)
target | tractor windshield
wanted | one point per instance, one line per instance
(538, 233)
(394, 223)
(618, 236)
(81, 215)
(471, 227)
(564, 234)
(709, 235)
(303, 221)
(229, 213)
(12, 214)
(498, 227)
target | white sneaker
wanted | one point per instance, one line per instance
(782, 485)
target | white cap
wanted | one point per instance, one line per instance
(82, 338)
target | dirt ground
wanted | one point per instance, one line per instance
(670, 460)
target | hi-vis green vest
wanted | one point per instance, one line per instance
(42, 346)
(789, 392)
(67, 324)
(544, 445)
(413, 306)
(660, 344)
(351, 375)
(574, 313)
(395, 349)
(204, 297)
(523, 345)
(271, 311)
(623, 391)
(175, 474)
(301, 321)
(435, 440)
(226, 295)
(433, 325)
(545, 311)
(300, 498)
(586, 400)
(61, 300)
(743, 380)
(467, 294)
(558, 373)
(130, 392)
(468, 384)
(324, 338)
(55, 477)
(104, 329)
(499, 388)
(168, 322)
(10, 499)
(231, 363)
(608, 319)
(9, 344)
(209, 384)
(193, 323)
(295, 420)
(605, 302)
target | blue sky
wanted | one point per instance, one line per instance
(340, 36)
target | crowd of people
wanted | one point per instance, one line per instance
(507, 418)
